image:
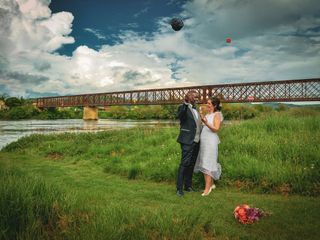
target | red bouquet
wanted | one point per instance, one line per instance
(247, 215)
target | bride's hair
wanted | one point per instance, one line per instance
(216, 103)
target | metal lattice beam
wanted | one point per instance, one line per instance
(273, 91)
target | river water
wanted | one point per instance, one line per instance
(11, 131)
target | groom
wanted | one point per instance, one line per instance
(190, 128)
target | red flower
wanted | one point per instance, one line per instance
(247, 215)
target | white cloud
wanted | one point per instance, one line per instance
(28, 33)
(144, 10)
(34, 9)
(33, 28)
(95, 32)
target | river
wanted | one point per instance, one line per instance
(11, 131)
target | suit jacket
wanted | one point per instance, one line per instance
(188, 124)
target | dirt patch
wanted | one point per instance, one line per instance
(55, 156)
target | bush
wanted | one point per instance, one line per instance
(140, 112)
(239, 111)
(13, 102)
(21, 112)
(64, 113)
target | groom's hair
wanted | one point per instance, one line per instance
(189, 94)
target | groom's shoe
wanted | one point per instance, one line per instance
(189, 189)
(180, 193)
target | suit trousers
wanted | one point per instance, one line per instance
(189, 154)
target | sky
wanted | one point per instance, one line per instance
(67, 47)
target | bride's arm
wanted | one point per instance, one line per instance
(215, 126)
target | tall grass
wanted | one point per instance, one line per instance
(275, 152)
(31, 207)
(272, 153)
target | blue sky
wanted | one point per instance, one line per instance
(101, 22)
(65, 47)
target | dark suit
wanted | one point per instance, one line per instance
(189, 141)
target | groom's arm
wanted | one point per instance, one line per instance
(182, 111)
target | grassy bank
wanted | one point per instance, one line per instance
(120, 184)
(273, 153)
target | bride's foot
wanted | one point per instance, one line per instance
(213, 187)
(206, 193)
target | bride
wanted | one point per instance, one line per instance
(207, 161)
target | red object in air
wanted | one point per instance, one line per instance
(228, 40)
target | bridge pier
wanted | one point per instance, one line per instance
(90, 113)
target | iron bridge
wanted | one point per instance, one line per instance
(271, 91)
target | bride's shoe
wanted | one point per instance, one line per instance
(211, 188)
(206, 194)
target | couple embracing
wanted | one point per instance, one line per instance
(199, 143)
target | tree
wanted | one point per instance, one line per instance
(3, 96)
(13, 102)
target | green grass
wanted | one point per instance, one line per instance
(60, 201)
(273, 153)
(120, 184)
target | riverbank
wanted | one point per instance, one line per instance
(120, 184)
(11, 131)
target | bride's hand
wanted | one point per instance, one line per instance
(204, 119)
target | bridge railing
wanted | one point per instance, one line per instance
(272, 91)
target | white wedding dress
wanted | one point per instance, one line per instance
(207, 161)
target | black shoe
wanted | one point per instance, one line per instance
(180, 193)
(189, 189)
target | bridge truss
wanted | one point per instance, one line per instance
(271, 91)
